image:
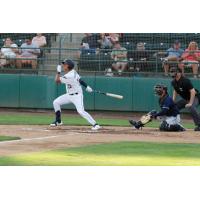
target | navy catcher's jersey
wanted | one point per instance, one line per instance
(168, 107)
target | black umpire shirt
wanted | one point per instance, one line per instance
(183, 87)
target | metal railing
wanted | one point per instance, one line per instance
(90, 60)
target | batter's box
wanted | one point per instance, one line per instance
(102, 130)
(65, 128)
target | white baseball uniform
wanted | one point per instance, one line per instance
(74, 95)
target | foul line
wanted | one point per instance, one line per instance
(38, 138)
(30, 139)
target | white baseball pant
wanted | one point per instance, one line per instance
(77, 100)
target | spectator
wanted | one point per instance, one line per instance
(2, 60)
(119, 55)
(191, 57)
(114, 38)
(140, 56)
(173, 54)
(104, 41)
(29, 54)
(89, 43)
(39, 40)
(9, 52)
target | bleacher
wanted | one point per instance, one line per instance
(19, 39)
(101, 60)
(154, 42)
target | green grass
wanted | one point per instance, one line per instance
(45, 119)
(114, 154)
(7, 138)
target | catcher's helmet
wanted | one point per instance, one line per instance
(69, 62)
(159, 89)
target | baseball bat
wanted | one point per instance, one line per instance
(110, 94)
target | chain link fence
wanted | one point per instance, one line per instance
(144, 53)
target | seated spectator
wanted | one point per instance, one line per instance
(140, 56)
(119, 55)
(39, 40)
(9, 52)
(191, 57)
(2, 60)
(29, 54)
(89, 43)
(104, 41)
(173, 55)
(114, 38)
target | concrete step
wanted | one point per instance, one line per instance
(63, 40)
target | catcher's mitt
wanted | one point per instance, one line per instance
(143, 120)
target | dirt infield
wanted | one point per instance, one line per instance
(37, 138)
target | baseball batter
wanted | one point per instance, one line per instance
(74, 93)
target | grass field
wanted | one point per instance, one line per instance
(117, 154)
(113, 154)
(7, 138)
(45, 119)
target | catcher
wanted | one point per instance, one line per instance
(169, 114)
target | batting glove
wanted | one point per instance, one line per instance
(59, 68)
(89, 89)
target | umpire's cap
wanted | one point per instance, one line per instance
(69, 62)
(174, 71)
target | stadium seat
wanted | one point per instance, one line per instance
(19, 42)
(88, 62)
(128, 45)
(1, 42)
(178, 36)
(105, 61)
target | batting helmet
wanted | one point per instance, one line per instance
(159, 88)
(68, 62)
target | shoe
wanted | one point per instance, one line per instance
(135, 124)
(109, 72)
(96, 127)
(119, 72)
(197, 128)
(137, 69)
(182, 129)
(195, 76)
(164, 60)
(55, 123)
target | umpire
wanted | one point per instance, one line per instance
(190, 97)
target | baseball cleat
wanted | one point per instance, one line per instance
(56, 124)
(197, 128)
(182, 129)
(96, 127)
(134, 124)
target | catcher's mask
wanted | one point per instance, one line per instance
(159, 89)
(174, 71)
